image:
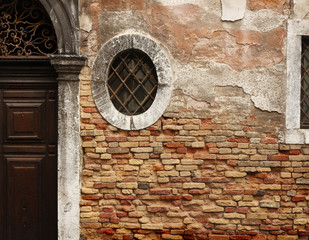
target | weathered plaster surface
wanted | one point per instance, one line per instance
(264, 85)
(206, 51)
(301, 9)
(233, 10)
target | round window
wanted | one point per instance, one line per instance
(132, 82)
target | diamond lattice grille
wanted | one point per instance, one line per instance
(132, 82)
(305, 84)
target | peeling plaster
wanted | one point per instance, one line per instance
(301, 8)
(263, 20)
(263, 85)
(85, 22)
(233, 10)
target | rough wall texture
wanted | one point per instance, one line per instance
(212, 167)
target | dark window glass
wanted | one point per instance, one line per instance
(132, 82)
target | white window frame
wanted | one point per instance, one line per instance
(294, 134)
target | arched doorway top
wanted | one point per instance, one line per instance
(63, 15)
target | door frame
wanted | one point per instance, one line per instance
(68, 64)
(69, 153)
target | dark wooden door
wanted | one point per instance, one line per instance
(28, 147)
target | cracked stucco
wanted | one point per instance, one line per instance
(263, 85)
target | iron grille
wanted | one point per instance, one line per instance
(305, 83)
(132, 82)
(25, 29)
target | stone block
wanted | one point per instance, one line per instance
(213, 209)
(270, 204)
(194, 185)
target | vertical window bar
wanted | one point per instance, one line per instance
(304, 103)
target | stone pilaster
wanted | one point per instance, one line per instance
(68, 68)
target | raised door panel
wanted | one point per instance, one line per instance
(24, 198)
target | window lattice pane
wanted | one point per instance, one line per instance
(132, 82)
(305, 84)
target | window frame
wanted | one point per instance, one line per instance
(294, 134)
(101, 67)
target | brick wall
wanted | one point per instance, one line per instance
(213, 166)
(222, 177)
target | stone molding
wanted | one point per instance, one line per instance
(64, 24)
(99, 79)
(68, 68)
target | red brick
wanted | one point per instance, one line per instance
(104, 185)
(303, 233)
(287, 227)
(238, 139)
(199, 192)
(129, 197)
(106, 214)
(108, 209)
(104, 220)
(114, 220)
(292, 152)
(269, 227)
(218, 237)
(157, 209)
(108, 231)
(121, 214)
(101, 126)
(278, 158)
(158, 168)
(181, 150)
(230, 209)
(269, 140)
(261, 175)
(233, 191)
(205, 179)
(298, 198)
(115, 139)
(128, 237)
(170, 197)
(174, 144)
(90, 110)
(242, 210)
(160, 191)
(187, 197)
(259, 237)
(241, 237)
(91, 197)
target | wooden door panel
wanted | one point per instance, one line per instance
(24, 198)
(24, 121)
(28, 161)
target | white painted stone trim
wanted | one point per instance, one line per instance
(100, 75)
(295, 135)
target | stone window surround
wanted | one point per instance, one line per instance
(293, 133)
(100, 74)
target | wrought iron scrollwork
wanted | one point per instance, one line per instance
(25, 29)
